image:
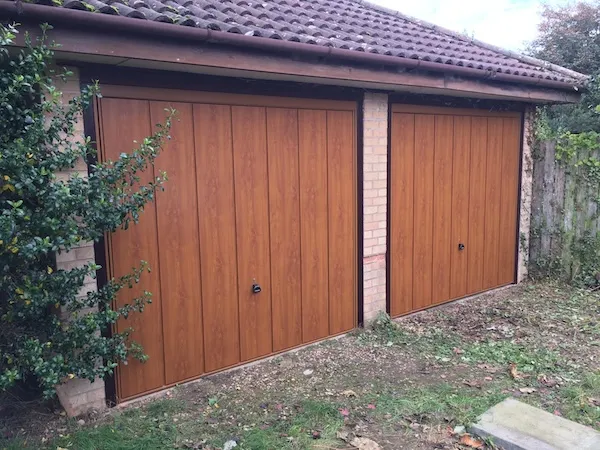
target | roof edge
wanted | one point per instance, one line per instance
(519, 56)
(83, 19)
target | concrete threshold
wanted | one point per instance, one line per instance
(513, 425)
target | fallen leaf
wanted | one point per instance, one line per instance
(549, 382)
(514, 372)
(371, 406)
(316, 435)
(344, 412)
(472, 383)
(527, 390)
(458, 351)
(594, 401)
(470, 441)
(459, 429)
(278, 406)
(488, 378)
(363, 443)
(349, 393)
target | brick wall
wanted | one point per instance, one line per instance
(526, 194)
(375, 132)
(78, 396)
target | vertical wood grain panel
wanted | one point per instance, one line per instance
(492, 203)
(179, 248)
(341, 204)
(477, 183)
(312, 135)
(423, 210)
(401, 212)
(216, 211)
(442, 208)
(284, 220)
(124, 121)
(252, 220)
(509, 200)
(461, 172)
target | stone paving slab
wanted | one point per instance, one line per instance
(513, 425)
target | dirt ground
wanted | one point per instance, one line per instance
(414, 383)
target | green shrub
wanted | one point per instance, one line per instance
(46, 330)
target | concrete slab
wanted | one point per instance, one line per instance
(513, 425)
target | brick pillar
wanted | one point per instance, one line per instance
(526, 194)
(78, 396)
(375, 132)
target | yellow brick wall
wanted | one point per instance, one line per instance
(375, 132)
(78, 396)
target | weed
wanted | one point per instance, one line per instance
(581, 401)
(432, 403)
(503, 352)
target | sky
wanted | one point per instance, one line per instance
(506, 23)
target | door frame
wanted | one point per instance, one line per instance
(278, 93)
(450, 106)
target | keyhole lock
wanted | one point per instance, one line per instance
(461, 246)
(256, 289)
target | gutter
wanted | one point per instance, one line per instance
(101, 21)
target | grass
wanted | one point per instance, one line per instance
(438, 369)
(437, 403)
(582, 401)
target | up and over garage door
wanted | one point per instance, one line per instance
(260, 196)
(453, 204)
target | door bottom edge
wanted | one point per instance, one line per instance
(162, 390)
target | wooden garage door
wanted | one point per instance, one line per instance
(260, 190)
(453, 204)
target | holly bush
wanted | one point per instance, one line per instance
(49, 330)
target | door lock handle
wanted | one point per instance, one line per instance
(461, 246)
(256, 289)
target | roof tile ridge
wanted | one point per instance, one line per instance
(518, 56)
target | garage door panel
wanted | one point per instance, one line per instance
(312, 135)
(252, 220)
(401, 212)
(457, 183)
(492, 199)
(460, 206)
(423, 210)
(509, 201)
(341, 205)
(284, 221)
(123, 122)
(179, 248)
(260, 191)
(442, 207)
(477, 202)
(216, 212)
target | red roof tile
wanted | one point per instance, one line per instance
(356, 26)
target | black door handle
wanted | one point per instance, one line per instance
(461, 246)
(256, 289)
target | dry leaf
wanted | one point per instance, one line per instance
(594, 401)
(472, 383)
(363, 443)
(458, 351)
(344, 412)
(349, 393)
(527, 390)
(470, 441)
(514, 372)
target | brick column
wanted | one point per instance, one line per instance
(526, 194)
(375, 135)
(78, 396)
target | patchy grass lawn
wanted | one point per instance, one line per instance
(406, 384)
